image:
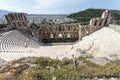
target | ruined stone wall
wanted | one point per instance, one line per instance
(86, 30)
(58, 32)
(61, 32)
(103, 21)
(17, 20)
(64, 33)
(72, 32)
(35, 32)
(96, 23)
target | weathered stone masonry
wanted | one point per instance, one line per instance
(96, 23)
(18, 20)
(58, 32)
(63, 32)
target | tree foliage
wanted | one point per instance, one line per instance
(84, 17)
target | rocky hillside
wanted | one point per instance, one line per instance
(32, 68)
(84, 16)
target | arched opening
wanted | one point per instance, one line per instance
(68, 35)
(59, 35)
(51, 36)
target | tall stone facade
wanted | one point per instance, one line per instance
(58, 33)
(96, 23)
(103, 21)
(17, 20)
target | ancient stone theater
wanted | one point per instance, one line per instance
(58, 32)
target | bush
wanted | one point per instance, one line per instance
(66, 71)
(44, 62)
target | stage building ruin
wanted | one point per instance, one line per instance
(58, 32)
(18, 20)
(96, 23)
(103, 21)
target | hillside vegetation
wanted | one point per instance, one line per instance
(49, 69)
(84, 17)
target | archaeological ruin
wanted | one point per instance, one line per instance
(58, 32)
(18, 21)
(103, 21)
(96, 23)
